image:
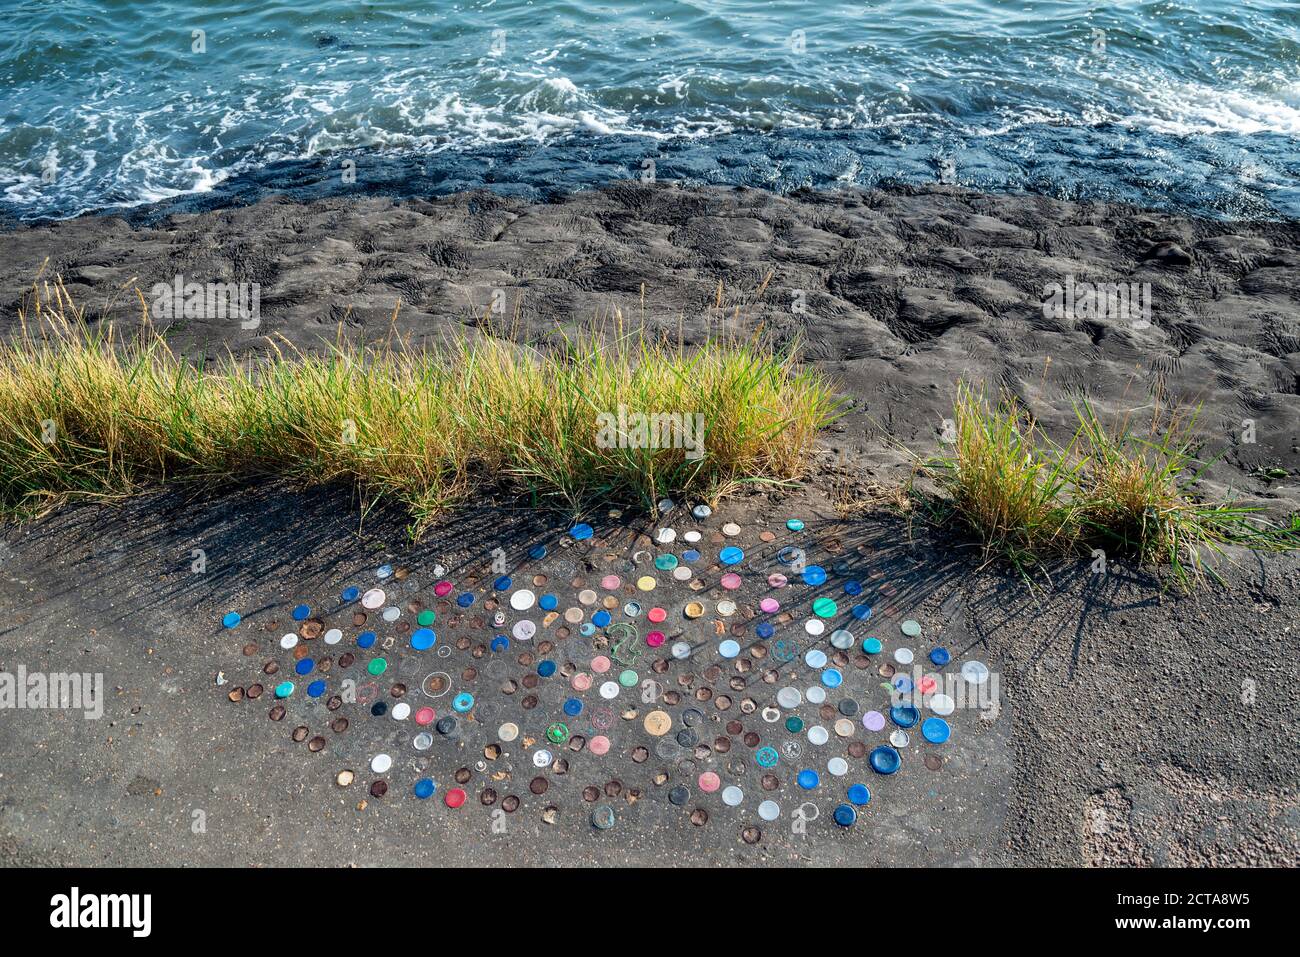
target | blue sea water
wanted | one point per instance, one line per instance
(1192, 105)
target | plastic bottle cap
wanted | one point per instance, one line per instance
(904, 715)
(814, 575)
(975, 672)
(885, 760)
(935, 730)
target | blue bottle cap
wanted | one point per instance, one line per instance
(350, 594)
(423, 638)
(935, 730)
(573, 707)
(230, 619)
(766, 757)
(548, 602)
(316, 689)
(859, 794)
(885, 760)
(904, 715)
(284, 689)
(832, 678)
(814, 575)
(690, 555)
(940, 656)
(600, 619)
(546, 668)
(845, 815)
(853, 587)
(861, 612)
(304, 666)
(463, 702)
(764, 629)
(502, 583)
(537, 552)
(465, 599)
(902, 683)
(587, 629)
(581, 532)
(731, 555)
(366, 639)
(808, 779)
(871, 646)
(499, 643)
(794, 524)
(301, 613)
(424, 788)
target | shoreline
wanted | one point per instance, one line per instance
(896, 295)
(1068, 163)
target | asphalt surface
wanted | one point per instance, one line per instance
(1130, 727)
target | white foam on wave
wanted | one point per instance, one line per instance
(1188, 108)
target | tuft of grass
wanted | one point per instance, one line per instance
(1006, 482)
(91, 414)
(1136, 496)
(1126, 490)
